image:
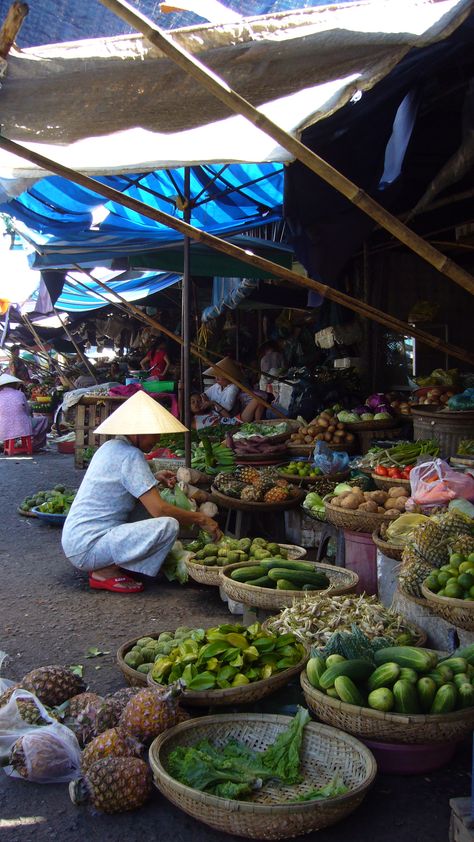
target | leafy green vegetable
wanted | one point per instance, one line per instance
(283, 757)
(335, 787)
(174, 566)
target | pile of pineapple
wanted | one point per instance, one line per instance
(254, 486)
(113, 731)
(431, 545)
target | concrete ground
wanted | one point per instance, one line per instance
(48, 614)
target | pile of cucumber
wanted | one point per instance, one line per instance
(283, 574)
(400, 679)
(233, 550)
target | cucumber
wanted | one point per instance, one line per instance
(314, 670)
(445, 672)
(381, 699)
(421, 660)
(334, 659)
(465, 694)
(243, 574)
(384, 676)
(445, 699)
(262, 582)
(460, 679)
(436, 677)
(466, 652)
(358, 670)
(347, 691)
(299, 577)
(427, 689)
(456, 665)
(405, 696)
(409, 674)
(303, 566)
(332, 693)
(285, 585)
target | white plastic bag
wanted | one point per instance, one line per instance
(51, 752)
(5, 683)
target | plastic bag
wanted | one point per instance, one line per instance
(329, 461)
(51, 752)
(436, 484)
(5, 683)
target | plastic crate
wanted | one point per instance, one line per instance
(158, 385)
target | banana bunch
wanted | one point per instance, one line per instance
(212, 457)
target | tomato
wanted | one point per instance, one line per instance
(381, 471)
(394, 473)
(408, 469)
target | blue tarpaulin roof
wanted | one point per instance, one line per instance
(74, 298)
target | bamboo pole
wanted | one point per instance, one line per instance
(76, 346)
(50, 362)
(221, 90)
(11, 26)
(245, 255)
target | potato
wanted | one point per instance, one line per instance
(340, 425)
(389, 503)
(392, 512)
(308, 439)
(369, 506)
(397, 491)
(320, 437)
(343, 494)
(350, 437)
(379, 497)
(327, 436)
(331, 428)
(400, 503)
(381, 510)
(323, 422)
(350, 502)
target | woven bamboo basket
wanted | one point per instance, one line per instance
(313, 481)
(419, 635)
(389, 550)
(458, 612)
(314, 515)
(307, 449)
(212, 576)
(383, 424)
(246, 694)
(342, 581)
(244, 506)
(417, 600)
(356, 521)
(385, 483)
(388, 727)
(268, 815)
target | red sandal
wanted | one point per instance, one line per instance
(117, 584)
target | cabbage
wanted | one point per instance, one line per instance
(174, 566)
(341, 487)
(347, 417)
(382, 416)
(313, 501)
(374, 401)
(361, 410)
(367, 416)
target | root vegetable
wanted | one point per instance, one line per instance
(397, 491)
(400, 503)
(368, 506)
(350, 502)
(209, 509)
(190, 475)
(380, 497)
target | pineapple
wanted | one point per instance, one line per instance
(43, 757)
(7, 694)
(111, 743)
(430, 542)
(30, 712)
(98, 717)
(113, 785)
(150, 713)
(413, 572)
(463, 544)
(453, 524)
(53, 685)
(247, 474)
(80, 702)
(277, 494)
(251, 494)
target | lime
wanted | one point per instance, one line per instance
(432, 583)
(441, 592)
(454, 591)
(467, 596)
(443, 577)
(456, 559)
(466, 580)
(471, 591)
(453, 580)
(470, 558)
(445, 567)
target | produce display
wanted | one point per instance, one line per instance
(255, 486)
(393, 473)
(216, 658)
(304, 470)
(376, 408)
(399, 456)
(431, 546)
(233, 770)
(391, 502)
(454, 579)
(55, 501)
(436, 396)
(283, 574)
(400, 531)
(211, 457)
(461, 403)
(400, 679)
(466, 447)
(258, 440)
(233, 550)
(189, 498)
(325, 427)
(253, 430)
(315, 619)
(440, 378)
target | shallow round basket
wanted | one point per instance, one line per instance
(387, 482)
(387, 727)
(269, 814)
(246, 694)
(47, 517)
(29, 513)
(342, 581)
(294, 478)
(386, 548)
(211, 575)
(383, 424)
(419, 636)
(244, 506)
(261, 459)
(279, 438)
(307, 449)
(458, 612)
(314, 515)
(356, 521)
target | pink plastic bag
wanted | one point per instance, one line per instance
(436, 484)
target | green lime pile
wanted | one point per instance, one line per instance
(301, 469)
(55, 501)
(455, 579)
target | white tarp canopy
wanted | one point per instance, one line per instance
(116, 105)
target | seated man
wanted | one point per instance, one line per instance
(98, 535)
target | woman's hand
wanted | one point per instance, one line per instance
(168, 478)
(210, 526)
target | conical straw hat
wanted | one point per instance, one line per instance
(140, 415)
(5, 379)
(226, 366)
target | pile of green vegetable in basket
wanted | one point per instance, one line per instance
(232, 550)
(216, 658)
(55, 501)
(400, 455)
(400, 679)
(282, 574)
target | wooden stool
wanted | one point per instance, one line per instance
(25, 446)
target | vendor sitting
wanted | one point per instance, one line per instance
(16, 420)
(224, 401)
(156, 361)
(98, 535)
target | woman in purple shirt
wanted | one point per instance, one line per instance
(15, 415)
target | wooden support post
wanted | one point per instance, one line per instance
(11, 26)
(236, 103)
(245, 255)
(79, 351)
